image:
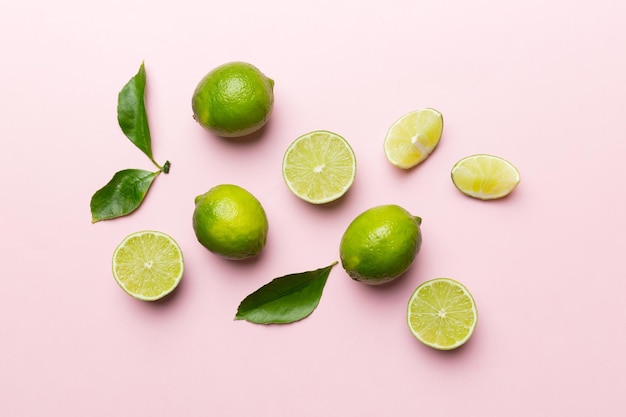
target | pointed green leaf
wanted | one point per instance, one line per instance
(285, 299)
(122, 195)
(131, 112)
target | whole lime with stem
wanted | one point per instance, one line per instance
(380, 244)
(230, 222)
(233, 100)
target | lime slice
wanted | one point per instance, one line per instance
(485, 177)
(442, 314)
(413, 137)
(148, 265)
(319, 167)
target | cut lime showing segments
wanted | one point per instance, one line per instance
(319, 167)
(148, 265)
(413, 137)
(442, 314)
(485, 177)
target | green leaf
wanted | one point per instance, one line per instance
(131, 113)
(285, 299)
(122, 195)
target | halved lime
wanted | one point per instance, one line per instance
(148, 265)
(485, 177)
(441, 313)
(319, 167)
(413, 137)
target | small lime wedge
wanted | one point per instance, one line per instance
(442, 314)
(148, 265)
(413, 137)
(319, 167)
(485, 177)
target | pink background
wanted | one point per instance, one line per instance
(542, 84)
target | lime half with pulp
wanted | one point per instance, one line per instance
(319, 167)
(442, 314)
(148, 265)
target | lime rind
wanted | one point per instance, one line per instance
(413, 137)
(442, 314)
(148, 265)
(485, 176)
(319, 167)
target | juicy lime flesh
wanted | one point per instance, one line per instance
(234, 99)
(230, 222)
(485, 177)
(442, 314)
(413, 137)
(319, 167)
(148, 265)
(380, 244)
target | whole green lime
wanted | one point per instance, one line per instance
(230, 222)
(380, 244)
(233, 100)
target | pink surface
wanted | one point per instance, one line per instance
(542, 84)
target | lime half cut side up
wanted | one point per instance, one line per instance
(319, 167)
(148, 265)
(442, 314)
(485, 177)
(413, 137)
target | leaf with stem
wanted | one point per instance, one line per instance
(125, 192)
(122, 195)
(285, 299)
(131, 114)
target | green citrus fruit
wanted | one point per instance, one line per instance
(413, 137)
(380, 244)
(319, 167)
(148, 265)
(486, 177)
(442, 314)
(230, 222)
(233, 100)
